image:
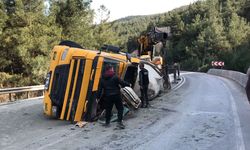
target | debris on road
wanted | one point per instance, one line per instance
(81, 124)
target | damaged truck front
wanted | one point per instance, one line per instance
(72, 83)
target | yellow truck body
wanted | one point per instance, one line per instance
(72, 82)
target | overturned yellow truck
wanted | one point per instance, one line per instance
(72, 83)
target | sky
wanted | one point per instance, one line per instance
(123, 8)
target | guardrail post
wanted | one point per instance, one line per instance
(9, 96)
(27, 94)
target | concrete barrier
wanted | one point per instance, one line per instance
(238, 77)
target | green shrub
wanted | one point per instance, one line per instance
(204, 68)
(16, 80)
(191, 64)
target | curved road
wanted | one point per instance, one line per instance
(202, 112)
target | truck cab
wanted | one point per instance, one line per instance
(72, 82)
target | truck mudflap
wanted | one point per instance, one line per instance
(130, 97)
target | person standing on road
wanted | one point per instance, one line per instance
(110, 89)
(143, 82)
(178, 70)
(248, 84)
(175, 71)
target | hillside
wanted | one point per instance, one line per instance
(202, 32)
(129, 28)
(205, 31)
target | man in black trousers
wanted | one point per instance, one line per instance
(143, 82)
(111, 94)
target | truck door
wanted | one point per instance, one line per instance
(98, 68)
(92, 91)
(74, 84)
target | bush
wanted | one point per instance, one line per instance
(16, 80)
(3, 78)
(204, 68)
(191, 64)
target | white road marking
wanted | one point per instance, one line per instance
(179, 85)
(239, 141)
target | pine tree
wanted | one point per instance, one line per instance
(3, 17)
(211, 39)
(38, 36)
(27, 39)
(238, 30)
(245, 12)
(103, 32)
(10, 38)
(75, 18)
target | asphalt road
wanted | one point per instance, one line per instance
(201, 112)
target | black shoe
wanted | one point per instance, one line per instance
(120, 125)
(106, 125)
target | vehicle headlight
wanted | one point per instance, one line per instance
(47, 81)
(54, 110)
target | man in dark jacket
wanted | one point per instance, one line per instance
(110, 87)
(143, 82)
(248, 84)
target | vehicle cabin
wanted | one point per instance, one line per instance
(72, 82)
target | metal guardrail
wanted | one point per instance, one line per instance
(26, 89)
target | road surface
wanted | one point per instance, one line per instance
(202, 112)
